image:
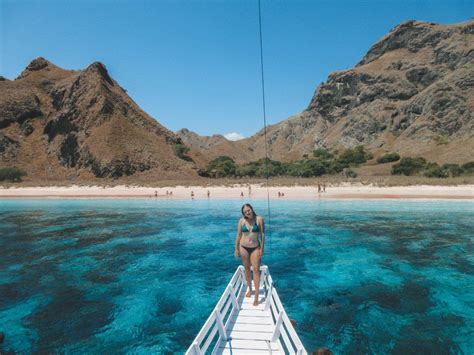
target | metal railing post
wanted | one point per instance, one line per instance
(233, 298)
(276, 332)
(268, 298)
(196, 349)
(220, 325)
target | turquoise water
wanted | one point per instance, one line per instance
(141, 276)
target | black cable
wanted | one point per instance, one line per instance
(264, 111)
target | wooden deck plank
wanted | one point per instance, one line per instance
(249, 345)
(247, 327)
(242, 335)
(251, 320)
(254, 313)
(246, 352)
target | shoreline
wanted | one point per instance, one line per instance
(257, 191)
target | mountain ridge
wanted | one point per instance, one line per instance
(58, 123)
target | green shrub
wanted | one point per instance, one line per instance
(182, 151)
(354, 156)
(307, 168)
(408, 166)
(453, 169)
(434, 170)
(247, 170)
(336, 166)
(350, 173)
(468, 167)
(221, 167)
(11, 174)
(442, 139)
(261, 168)
(388, 158)
(322, 153)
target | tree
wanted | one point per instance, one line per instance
(453, 169)
(354, 156)
(434, 170)
(221, 167)
(408, 166)
(322, 153)
(468, 167)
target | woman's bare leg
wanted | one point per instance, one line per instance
(255, 259)
(244, 254)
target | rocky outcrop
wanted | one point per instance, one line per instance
(411, 35)
(8, 147)
(201, 142)
(19, 110)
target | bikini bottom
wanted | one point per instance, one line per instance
(250, 250)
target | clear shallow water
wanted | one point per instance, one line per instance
(141, 276)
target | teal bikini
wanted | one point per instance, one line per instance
(255, 228)
(250, 236)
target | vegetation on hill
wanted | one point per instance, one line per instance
(323, 163)
(182, 151)
(11, 174)
(388, 158)
(416, 166)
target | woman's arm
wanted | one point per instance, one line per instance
(262, 232)
(237, 239)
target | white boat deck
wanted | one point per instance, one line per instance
(236, 326)
(251, 330)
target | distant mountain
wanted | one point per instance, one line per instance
(412, 93)
(205, 148)
(64, 124)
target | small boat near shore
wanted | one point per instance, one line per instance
(236, 326)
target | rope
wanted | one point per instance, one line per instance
(264, 114)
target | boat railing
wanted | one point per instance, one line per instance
(215, 329)
(284, 331)
(216, 324)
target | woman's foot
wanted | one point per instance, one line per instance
(255, 303)
(249, 293)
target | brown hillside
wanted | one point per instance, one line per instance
(63, 124)
(412, 93)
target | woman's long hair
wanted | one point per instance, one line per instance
(249, 206)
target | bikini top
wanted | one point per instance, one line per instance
(255, 227)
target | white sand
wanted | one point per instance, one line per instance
(347, 191)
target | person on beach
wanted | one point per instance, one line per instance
(208, 193)
(250, 247)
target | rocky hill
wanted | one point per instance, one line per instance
(412, 93)
(72, 125)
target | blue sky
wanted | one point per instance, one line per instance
(196, 64)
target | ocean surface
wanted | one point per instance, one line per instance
(142, 276)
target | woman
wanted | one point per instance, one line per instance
(249, 247)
